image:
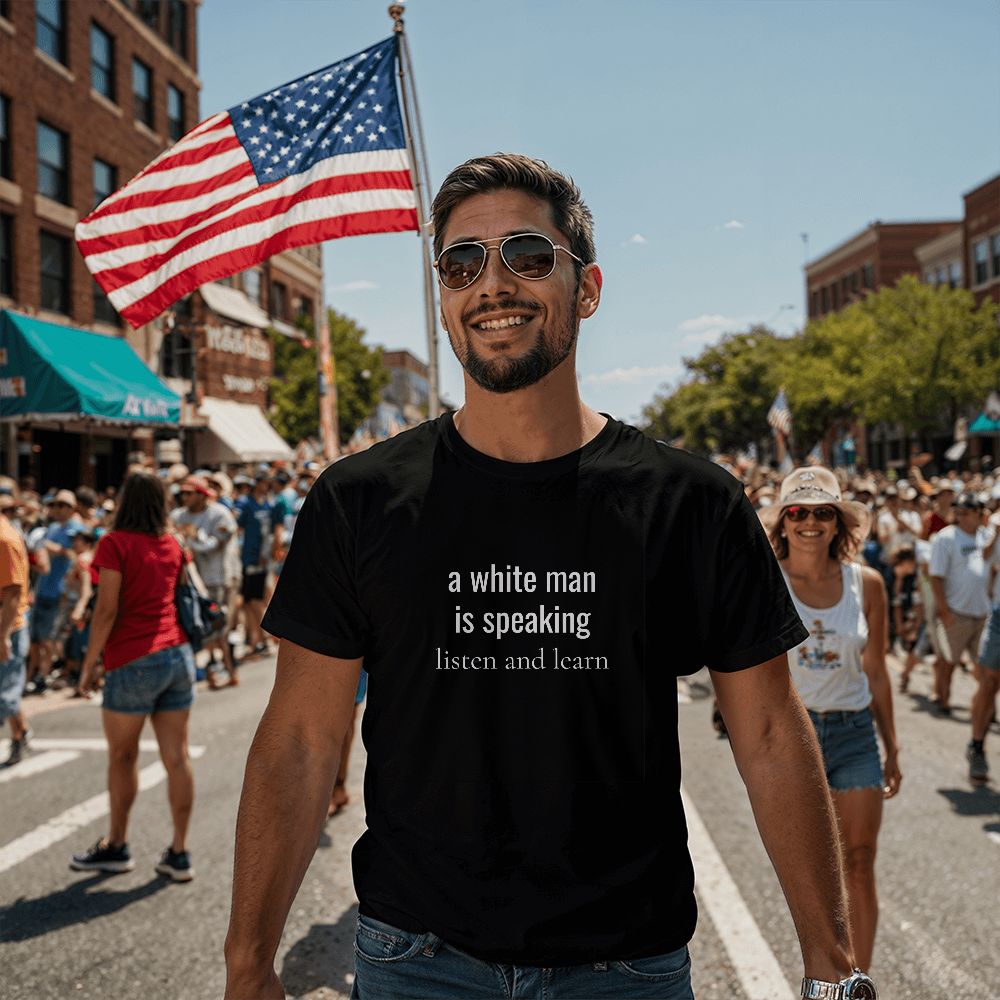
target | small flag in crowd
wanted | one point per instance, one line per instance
(780, 416)
(315, 159)
(815, 457)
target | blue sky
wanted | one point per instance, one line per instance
(705, 136)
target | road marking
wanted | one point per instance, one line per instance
(40, 762)
(73, 743)
(72, 819)
(758, 969)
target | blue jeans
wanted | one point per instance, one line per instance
(391, 964)
(12, 675)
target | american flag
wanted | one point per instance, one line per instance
(780, 416)
(315, 159)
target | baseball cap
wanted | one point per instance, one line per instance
(197, 484)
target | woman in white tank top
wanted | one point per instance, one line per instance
(840, 670)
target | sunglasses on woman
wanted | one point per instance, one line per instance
(528, 255)
(801, 513)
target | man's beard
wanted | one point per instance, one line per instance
(504, 374)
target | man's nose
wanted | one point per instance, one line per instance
(497, 278)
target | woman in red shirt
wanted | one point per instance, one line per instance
(148, 670)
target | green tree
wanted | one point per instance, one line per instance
(358, 373)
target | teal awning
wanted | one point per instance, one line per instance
(983, 425)
(49, 371)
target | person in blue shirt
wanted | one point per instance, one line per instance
(47, 620)
(262, 525)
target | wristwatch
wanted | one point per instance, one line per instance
(855, 987)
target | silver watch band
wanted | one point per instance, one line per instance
(816, 989)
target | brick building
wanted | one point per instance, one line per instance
(90, 92)
(876, 257)
(981, 232)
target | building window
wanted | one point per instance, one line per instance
(5, 165)
(929, 278)
(980, 261)
(306, 307)
(50, 28)
(177, 27)
(104, 311)
(142, 92)
(175, 112)
(853, 280)
(149, 13)
(105, 181)
(868, 275)
(251, 286)
(955, 275)
(942, 276)
(53, 177)
(279, 299)
(6, 254)
(813, 304)
(175, 355)
(102, 62)
(835, 296)
(995, 247)
(824, 299)
(55, 272)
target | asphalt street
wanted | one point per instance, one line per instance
(74, 934)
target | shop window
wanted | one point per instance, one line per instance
(995, 253)
(102, 62)
(177, 27)
(105, 181)
(279, 300)
(104, 311)
(54, 258)
(6, 169)
(50, 28)
(149, 13)
(142, 92)
(306, 307)
(175, 112)
(53, 176)
(868, 275)
(930, 278)
(955, 275)
(6, 254)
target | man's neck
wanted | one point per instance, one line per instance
(542, 422)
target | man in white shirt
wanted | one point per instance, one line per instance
(959, 580)
(897, 526)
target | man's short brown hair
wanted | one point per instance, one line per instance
(514, 172)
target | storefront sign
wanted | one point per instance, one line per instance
(250, 344)
(155, 409)
(240, 383)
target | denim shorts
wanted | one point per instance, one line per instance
(390, 963)
(989, 651)
(159, 682)
(12, 674)
(850, 750)
(47, 620)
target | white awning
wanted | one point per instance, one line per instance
(231, 303)
(238, 432)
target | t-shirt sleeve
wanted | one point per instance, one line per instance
(752, 617)
(939, 555)
(109, 554)
(315, 602)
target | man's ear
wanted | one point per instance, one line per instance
(589, 293)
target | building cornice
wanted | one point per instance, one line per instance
(155, 40)
(867, 237)
(949, 244)
(294, 266)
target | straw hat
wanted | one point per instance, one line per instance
(814, 486)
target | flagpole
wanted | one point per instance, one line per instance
(418, 159)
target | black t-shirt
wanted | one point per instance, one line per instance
(523, 626)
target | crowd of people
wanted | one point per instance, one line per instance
(233, 530)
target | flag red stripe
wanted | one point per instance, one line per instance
(195, 155)
(112, 278)
(356, 224)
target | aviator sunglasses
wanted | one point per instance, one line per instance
(801, 513)
(528, 255)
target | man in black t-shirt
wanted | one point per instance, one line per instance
(524, 580)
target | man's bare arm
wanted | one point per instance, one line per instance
(289, 778)
(776, 751)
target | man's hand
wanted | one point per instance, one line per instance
(89, 676)
(947, 616)
(891, 774)
(269, 988)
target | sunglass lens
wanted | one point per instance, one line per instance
(460, 265)
(530, 256)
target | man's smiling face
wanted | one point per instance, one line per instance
(509, 332)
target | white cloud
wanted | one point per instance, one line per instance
(627, 376)
(638, 238)
(733, 225)
(355, 286)
(704, 337)
(706, 321)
